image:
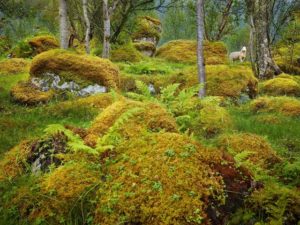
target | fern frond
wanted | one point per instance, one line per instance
(143, 88)
(168, 93)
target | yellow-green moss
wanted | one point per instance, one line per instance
(163, 178)
(222, 80)
(14, 66)
(145, 46)
(286, 105)
(147, 27)
(13, 162)
(281, 86)
(213, 119)
(126, 53)
(149, 116)
(73, 66)
(29, 94)
(185, 51)
(258, 150)
(43, 43)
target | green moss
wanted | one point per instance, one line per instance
(185, 51)
(285, 105)
(14, 66)
(70, 65)
(145, 46)
(126, 53)
(281, 86)
(147, 27)
(28, 94)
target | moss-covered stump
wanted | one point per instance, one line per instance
(131, 118)
(282, 85)
(185, 51)
(82, 69)
(126, 53)
(222, 80)
(254, 148)
(29, 94)
(14, 66)
(33, 46)
(286, 105)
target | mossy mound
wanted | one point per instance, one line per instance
(254, 148)
(147, 27)
(222, 80)
(126, 53)
(185, 51)
(213, 119)
(281, 86)
(31, 47)
(28, 94)
(131, 118)
(14, 66)
(145, 46)
(82, 69)
(286, 105)
(165, 178)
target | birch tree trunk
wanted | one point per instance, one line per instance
(200, 49)
(63, 24)
(106, 36)
(88, 26)
(263, 63)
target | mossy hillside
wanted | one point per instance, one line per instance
(286, 105)
(33, 46)
(132, 118)
(126, 53)
(185, 51)
(14, 66)
(28, 94)
(72, 66)
(283, 85)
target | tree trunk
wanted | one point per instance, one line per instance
(64, 28)
(262, 60)
(200, 49)
(87, 24)
(106, 36)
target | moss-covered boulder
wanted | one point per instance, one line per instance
(29, 94)
(126, 53)
(14, 66)
(31, 47)
(82, 69)
(286, 105)
(282, 85)
(222, 80)
(185, 51)
(254, 148)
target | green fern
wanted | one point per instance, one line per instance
(143, 88)
(75, 143)
(168, 94)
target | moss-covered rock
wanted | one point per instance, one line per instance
(255, 148)
(286, 105)
(126, 53)
(137, 116)
(31, 47)
(284, 85)
(14, 66)
(185, 51)
(222, 80)
(29, 94)
(81, 69)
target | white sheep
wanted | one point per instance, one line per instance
(241, 55)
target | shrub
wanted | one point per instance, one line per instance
(286, 105)
(186, 51)
(80, 68)
(28, 94)
(14, 66)
(126, 53)
(281, 86)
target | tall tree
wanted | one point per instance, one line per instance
(200, 49)
(261, 57)
(87, 24)
(63, 24)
